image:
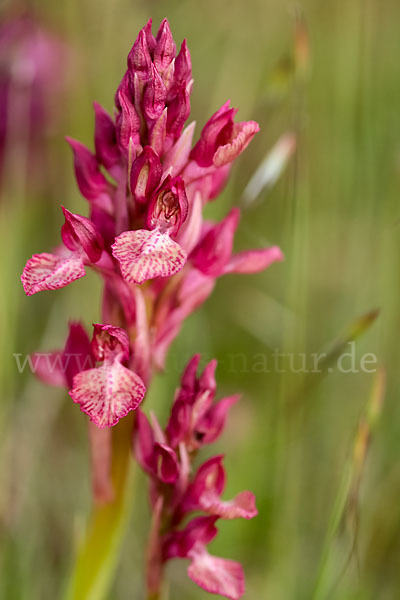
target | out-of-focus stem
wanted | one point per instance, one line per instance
(154, 563)
(99, 550)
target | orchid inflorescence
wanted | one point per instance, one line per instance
(146, 187)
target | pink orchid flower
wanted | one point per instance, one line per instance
(146, 186)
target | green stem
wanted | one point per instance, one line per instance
(99, 550)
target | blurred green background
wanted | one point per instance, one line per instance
(335, 214)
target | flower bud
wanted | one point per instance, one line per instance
(182, 71)
(178, 112)
(139, 59)
(128, 123)
(164, 52)
(154, 96)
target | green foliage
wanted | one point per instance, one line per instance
(335, 214)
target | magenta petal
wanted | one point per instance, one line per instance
(143, 441)
(211, 425)
(50, 272)
(91, 181)
(107, 393)
(214, 251)
(151, 41)
(143, 255)
(127, 123)
(243, 133)
(166, 463)
(199, 531)
(189, 376)
(165, 49)
(139, 59)
(49, 368)
(79, 232)
(77, 354)
(216, 132)
(208, 481)
(154, 95)
(59, 368)
(179, 422)
(207, 381)
(178, 112)
(105, 138)
(253, 261)
(216, 575)
(183, 70)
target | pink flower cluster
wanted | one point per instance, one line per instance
(146, 188)
(146, 236)
(175, 492)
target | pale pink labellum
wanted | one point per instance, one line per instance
(216, 575)
(51, 272)
(143, 255)
(107, 393)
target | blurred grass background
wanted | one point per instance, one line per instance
(334, 213)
